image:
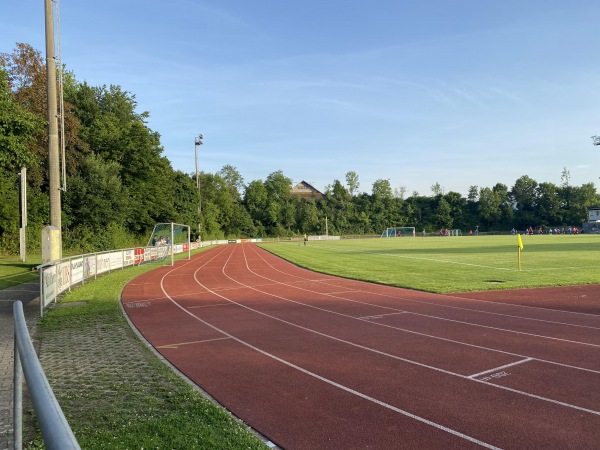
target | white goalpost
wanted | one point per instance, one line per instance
(169, 239)
(398, 232)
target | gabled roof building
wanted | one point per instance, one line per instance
(305, 190)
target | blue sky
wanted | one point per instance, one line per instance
(458, 93)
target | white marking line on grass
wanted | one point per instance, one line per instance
(395, 255)
(437, 260)
(179, 344)
(437, 369)
(495, 369)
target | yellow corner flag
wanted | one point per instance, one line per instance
(519, 248)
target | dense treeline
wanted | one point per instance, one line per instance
(120, 184)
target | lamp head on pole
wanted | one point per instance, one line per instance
(198, 139)
(596, 140)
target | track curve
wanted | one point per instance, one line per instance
(314, 361)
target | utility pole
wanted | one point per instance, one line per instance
(198, 142)
(53, 153)
(23, 214)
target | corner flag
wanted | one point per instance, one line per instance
(519, 242)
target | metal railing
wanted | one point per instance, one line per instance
(52, 422)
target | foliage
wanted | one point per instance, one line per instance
(120, 184)
(17, 130)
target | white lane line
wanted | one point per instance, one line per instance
(208, 306)
(549, 400)
(415, 332)
(443, 306)
(328, 381)
(495, 369)
(537, 309)
(496, 386)
(179, 344)
(146, 300)
(527, 394)
(381, 316)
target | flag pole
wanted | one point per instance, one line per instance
(519, 248)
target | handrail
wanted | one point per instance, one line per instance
(55, 430)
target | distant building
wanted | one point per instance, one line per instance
(593, 223)
(594, 214)
(305, 190)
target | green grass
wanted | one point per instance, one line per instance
(454, 264)
(13, 271)
(113, 390)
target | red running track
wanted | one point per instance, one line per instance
(314, 361)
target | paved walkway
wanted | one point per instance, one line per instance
(28, 293)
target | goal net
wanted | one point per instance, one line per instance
(398, 232)
(168, 239)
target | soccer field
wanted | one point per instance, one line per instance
(454, 264)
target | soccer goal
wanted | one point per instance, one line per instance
(398, 232)
(168, 239)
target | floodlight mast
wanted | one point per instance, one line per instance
(198, 142)
(596, 140)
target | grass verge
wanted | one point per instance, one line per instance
(113, 390)
(13, 271)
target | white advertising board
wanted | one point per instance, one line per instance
(76, 271)
(128, 258)
(102, 263)
(89, 266)
(49, 285)
(116, 260)
(63, 272)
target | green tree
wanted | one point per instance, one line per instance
(523, 194)
(382, 188)
(17, 131)
(280, 211)
(437, 189)
(352, 182)
(26, 72)
(233, 179)
(96, 202)
(582, 198)
(488, 207)
(549, 207)
(256, 201)
(443, 214)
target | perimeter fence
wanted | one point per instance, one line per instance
(59, 276)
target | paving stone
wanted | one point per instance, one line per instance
(28, 294)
